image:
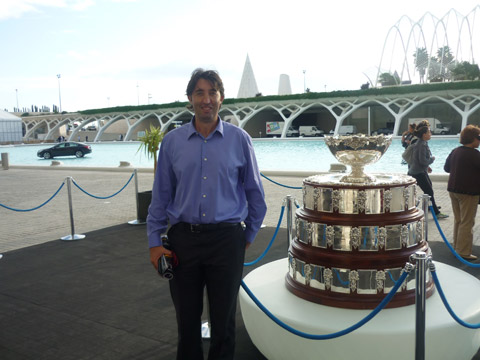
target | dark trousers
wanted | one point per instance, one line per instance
(212, 259)
(423, 180)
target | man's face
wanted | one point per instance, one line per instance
(206, 101)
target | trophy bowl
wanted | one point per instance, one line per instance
(357, 151)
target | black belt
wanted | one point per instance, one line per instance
(199, 228)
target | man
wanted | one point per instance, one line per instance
(207, 183)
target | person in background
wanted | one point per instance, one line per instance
(419, 167)
(463, 165)
(207, 183)
(407, 136)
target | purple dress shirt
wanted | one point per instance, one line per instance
(206, 181)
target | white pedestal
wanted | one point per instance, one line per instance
(389, 335)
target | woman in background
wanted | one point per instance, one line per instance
(419, 167)
(407, 136)
(463, 164)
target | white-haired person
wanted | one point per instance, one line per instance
(463, 165)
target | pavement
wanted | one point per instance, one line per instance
(99, 297)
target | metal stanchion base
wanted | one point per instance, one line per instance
(137, 222)
(205, 330)
(75, 237)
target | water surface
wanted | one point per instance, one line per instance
(272, 154)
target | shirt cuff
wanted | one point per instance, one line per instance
(155, 241)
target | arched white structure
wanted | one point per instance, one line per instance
(453, 29)
(367, 112)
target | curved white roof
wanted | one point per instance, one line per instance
(6, 116)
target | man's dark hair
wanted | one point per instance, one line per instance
(469, 134)
(209, 75)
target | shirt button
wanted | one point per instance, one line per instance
(204, 178)
(205, 159)
(203, 215)
(205, 141)
(204, 196)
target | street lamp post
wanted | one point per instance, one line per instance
(16, 94)
(59, 93)
(304, 88)
(138, 96)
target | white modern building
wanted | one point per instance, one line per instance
(10, 128)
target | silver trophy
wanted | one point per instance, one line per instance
(358, 151)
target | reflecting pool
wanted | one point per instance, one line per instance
(272, 154)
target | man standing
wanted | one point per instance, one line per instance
(207, 183)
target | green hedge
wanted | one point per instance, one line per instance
(389, 90)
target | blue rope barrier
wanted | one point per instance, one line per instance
(346, 331)
(271, 241)
(37, 207)
(448, 244)
(104, 197)
(290, 187)
(447, 305)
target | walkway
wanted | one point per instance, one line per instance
(32, 187)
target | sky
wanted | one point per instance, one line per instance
(135, 52)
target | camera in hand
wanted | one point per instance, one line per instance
(166, 263)
(165, 266)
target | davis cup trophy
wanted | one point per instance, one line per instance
(355, 232)
(352, 238)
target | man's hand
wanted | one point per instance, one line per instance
(156, 253)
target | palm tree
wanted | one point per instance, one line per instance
(434, 70)
(150, 143)
(421, 62)
(446, 61)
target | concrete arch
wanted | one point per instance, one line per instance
(55, 130)
(105, 126)
(30, 131)
(140, 124)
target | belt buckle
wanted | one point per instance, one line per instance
(195, 228)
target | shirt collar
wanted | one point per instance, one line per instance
(193, 131)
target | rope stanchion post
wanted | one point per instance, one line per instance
(288, 202)
(420, 258)
(73, 236)
(425, 203)
(137, 221)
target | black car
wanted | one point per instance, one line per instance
(65, 149)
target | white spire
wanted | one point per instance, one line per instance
(248, 85)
